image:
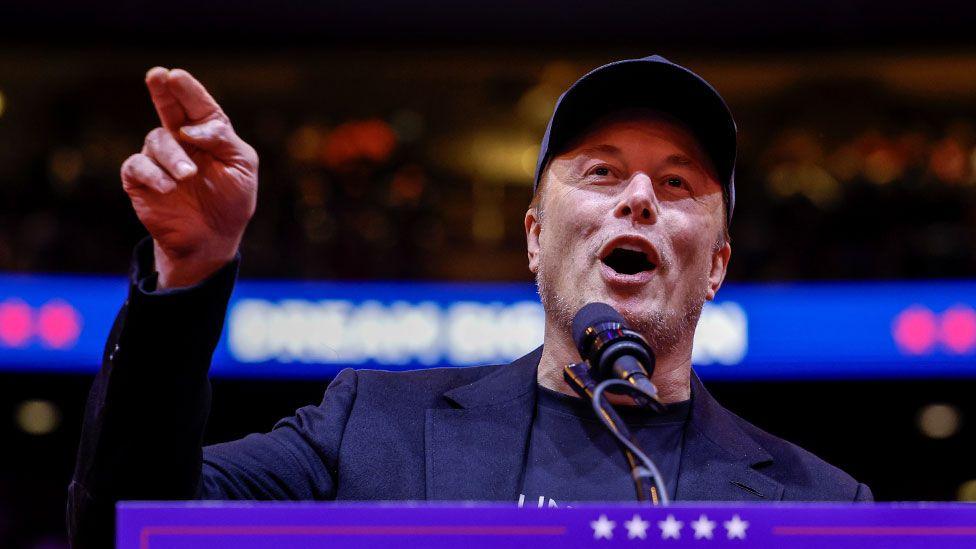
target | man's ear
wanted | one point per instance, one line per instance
(533, 228)
(720, 265)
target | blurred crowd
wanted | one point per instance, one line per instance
(426, 175)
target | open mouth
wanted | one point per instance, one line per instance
(628, 262)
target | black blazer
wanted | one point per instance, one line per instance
(436, 434)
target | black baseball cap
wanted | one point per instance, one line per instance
(649, 82)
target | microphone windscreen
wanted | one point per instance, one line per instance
(592, 314)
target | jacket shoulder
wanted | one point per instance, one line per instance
(419, 387)
(804, 475)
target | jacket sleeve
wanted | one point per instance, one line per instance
(148, 406)
(297, 460)
(863, 493)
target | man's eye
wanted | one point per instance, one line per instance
(674, 182)
(601, 171)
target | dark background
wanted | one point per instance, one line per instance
(858, 145)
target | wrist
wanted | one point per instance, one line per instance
(189, 269)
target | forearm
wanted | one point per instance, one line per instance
(148, 406)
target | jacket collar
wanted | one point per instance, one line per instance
(719, 459)
(476, 449)
(504, 384)
(714, 421)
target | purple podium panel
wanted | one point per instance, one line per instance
(242, 525)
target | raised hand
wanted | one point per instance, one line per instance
(194, 185)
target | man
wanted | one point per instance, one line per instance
(634, 193)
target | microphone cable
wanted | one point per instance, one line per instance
(648, 481)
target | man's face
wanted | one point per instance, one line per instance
(631, 216)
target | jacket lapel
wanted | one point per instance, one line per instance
(718, 459)
(476, 451)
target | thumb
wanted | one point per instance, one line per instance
(217, 137)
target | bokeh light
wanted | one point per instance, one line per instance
(38, 417)
(967, 491)
(938, 421)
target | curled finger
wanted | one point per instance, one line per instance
(141, 171)
(162, 146)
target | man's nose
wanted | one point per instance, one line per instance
(638, 200)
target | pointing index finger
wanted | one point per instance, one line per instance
(168, 108)
(196, 102)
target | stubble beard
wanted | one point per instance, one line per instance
(666, 331)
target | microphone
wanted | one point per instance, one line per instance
(612, 349)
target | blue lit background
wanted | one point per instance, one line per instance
(755, 332)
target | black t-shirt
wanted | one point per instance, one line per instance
(572, 457)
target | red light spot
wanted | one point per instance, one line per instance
(15, 323)
(58, 324)
(359, 140)
(915, 330)
(959, 329)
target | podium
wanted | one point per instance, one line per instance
(253, 525)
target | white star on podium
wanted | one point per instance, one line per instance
(603, 527)
(670, 527)
(637, 527)
(703, 527)
(736, 527)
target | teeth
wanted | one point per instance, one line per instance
(631, 247)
